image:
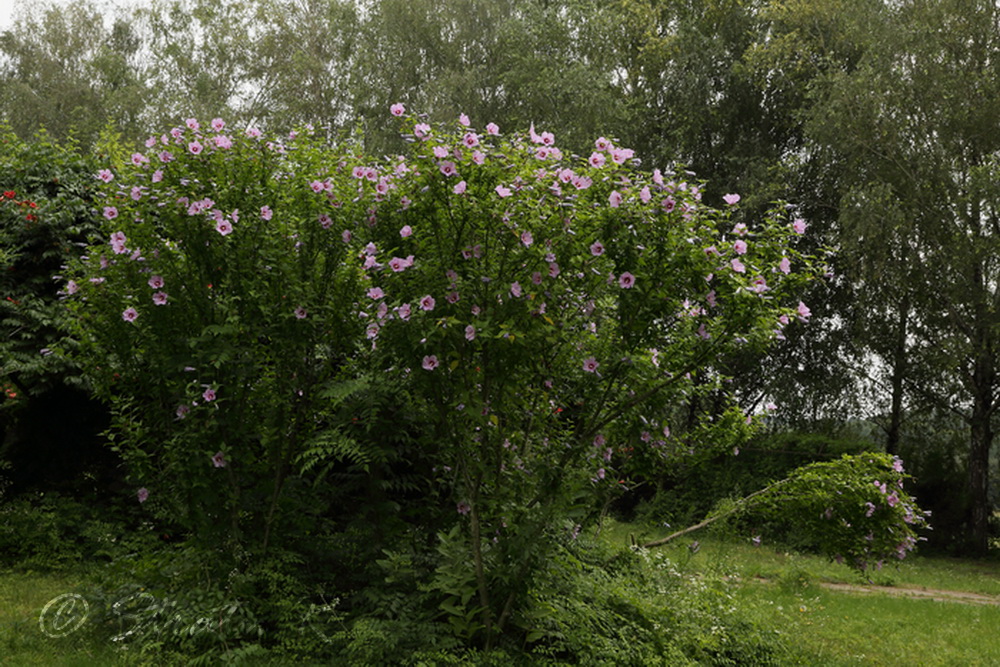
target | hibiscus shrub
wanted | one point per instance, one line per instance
(535, 319)
(853, 509)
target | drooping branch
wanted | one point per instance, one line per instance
(738, 506)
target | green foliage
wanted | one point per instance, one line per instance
(478, 337)
(45, 214)
(45, 219)
(155, 600)
(695, 486)
(49, 532)
(852, 509)
(933, 442)
(599, 606)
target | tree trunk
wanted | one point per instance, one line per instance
(983, 388)
(899, 370)
(979, 450)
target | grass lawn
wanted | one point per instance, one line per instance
(784, 591)
(773, 561)
(781, 591)
(22, 642)
(831, 628)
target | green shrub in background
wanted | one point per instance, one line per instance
(46, 216)
(934, 444)
(48, 532)
(688, 492)
(853, 509)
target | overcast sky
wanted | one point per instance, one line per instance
(6, 9)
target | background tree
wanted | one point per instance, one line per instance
(913, 126)
(62, 69)
(510, 62)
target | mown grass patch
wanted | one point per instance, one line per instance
(783, 590)
(738, 556)
(832, 628)
(22, 641)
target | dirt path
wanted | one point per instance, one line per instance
(919, 593)
(961, 597)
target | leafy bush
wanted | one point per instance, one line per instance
(538, 316)
(599, 606)
(165, 601)
(691, 490)
(853, 509)
(45, 193)
(45, 218)
(51, 532)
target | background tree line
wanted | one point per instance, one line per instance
(875, 118)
